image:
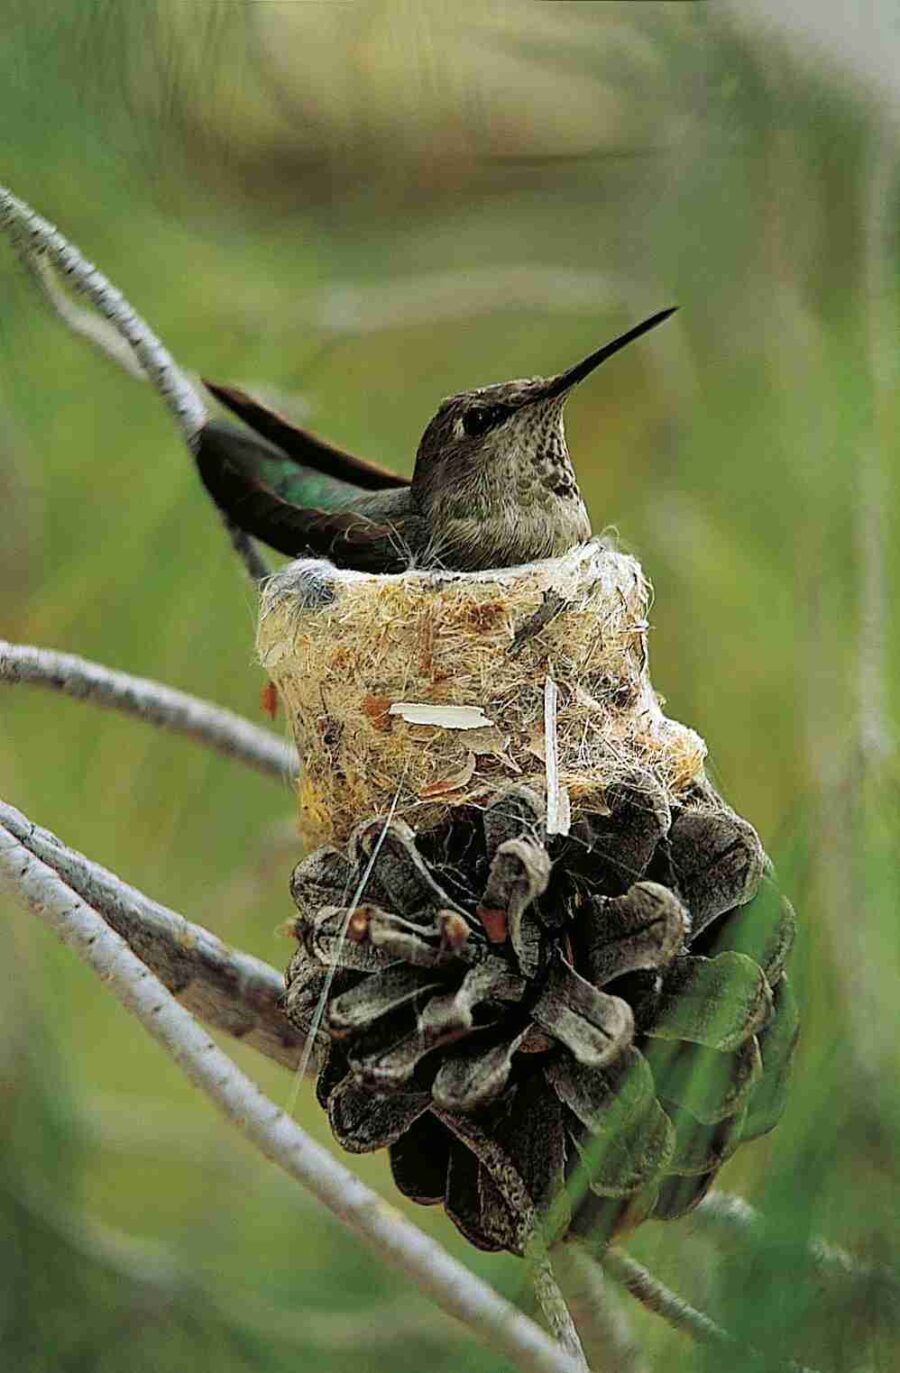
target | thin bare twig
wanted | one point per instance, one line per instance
(228, 989)
(85, 323)
(39, 242)
(511, 1186)
(255, 565)
(88, 326)
(554, 1306)
(151, 701)
(874, 730)
(33, 234)
(553, 603)
(731, 1216)
(489, 1317)
(151, 1264)
(609, 1343)
(653, 1294)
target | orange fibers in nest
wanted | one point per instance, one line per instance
(430, 689)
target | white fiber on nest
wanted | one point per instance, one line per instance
(364, 665)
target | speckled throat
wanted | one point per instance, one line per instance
(515, 499)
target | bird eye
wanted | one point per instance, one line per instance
(479, 420)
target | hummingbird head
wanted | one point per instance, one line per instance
(493, 477)
(513, 425)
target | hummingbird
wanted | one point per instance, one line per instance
(493, 484)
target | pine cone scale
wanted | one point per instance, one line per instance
(594, 1027)
(362, 1124)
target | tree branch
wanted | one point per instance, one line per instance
(874, 735)
(221, 729)
(653, 1294)
(255, 564)
(157, 1266)
(509, 1182)
(489, 1317)
(128, 339)
(228, 989)
(38, 237)
(85, 323)
(732, 1217)
(604, 1327)
(553, 1305)
(241, 995)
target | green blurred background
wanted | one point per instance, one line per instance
(356, 209)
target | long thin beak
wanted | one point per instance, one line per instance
(558, 386)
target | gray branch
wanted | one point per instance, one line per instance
(653, 1294)
(603, 1324)
(121, 334)
(228, 989)
(159, 1267)
(510, 1184)
(656, 1297)
(39, 238)
(221, 729)
(96, 330)
(874, 729)
(553, 1304)
(490, 1318)
(731, 1217)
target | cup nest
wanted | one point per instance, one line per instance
(427, 689)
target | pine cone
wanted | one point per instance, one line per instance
(583, 1027)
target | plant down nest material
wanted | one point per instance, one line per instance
(367, 667)
(572, 1030)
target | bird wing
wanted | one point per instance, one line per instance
(346, 537)
(302, 447)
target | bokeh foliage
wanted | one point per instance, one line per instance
(359, 208)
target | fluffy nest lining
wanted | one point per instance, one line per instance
(543, 666)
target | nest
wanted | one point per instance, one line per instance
(428, 690)
(541, 961)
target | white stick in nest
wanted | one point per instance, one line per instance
(559, 809)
